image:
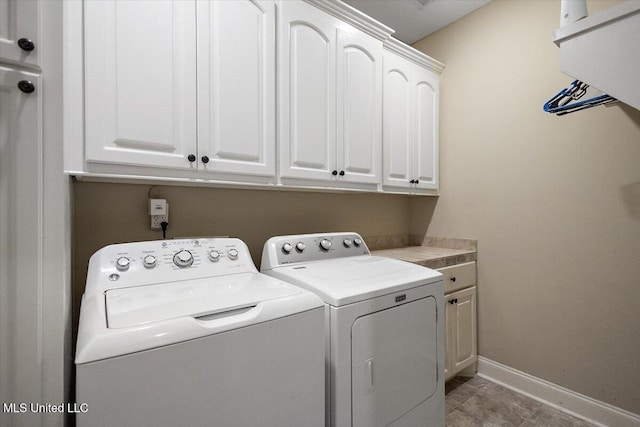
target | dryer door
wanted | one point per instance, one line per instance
(394, 362)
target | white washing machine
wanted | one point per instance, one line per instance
(384, 328)
(189, 333)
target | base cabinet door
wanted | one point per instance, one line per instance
(140, 82)
(236, 87)
(460, 319)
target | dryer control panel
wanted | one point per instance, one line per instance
(311, 247)
(160, 261)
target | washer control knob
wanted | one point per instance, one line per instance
(347, 243)
(183, 258)
(357, 242)
(123, 263)
(149, 261)
(214, 255)
(232, 253)
(300, 246)
(286, 248)
(325, 244)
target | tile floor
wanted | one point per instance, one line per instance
(479, 402)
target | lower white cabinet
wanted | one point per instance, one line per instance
(460, 318)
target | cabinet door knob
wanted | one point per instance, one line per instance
(26, 86)
(453, 278)
(334, 173)
(205, 159)
(26, 44)
(341, 173)
(413, 181)
(417, 181)
(191, 158)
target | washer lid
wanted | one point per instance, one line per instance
(347, 280)
(128, 320)
(201, 298)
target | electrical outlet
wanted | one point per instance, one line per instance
(157, 219)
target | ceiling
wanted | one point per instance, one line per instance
(416, 19)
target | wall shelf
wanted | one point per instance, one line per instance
(601, 50)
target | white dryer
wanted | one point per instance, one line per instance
(189, 333)
(384, 328)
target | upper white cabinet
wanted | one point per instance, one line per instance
(359, 110)
(398, 134)
(189, 87)
(185, 90)
(236, 86)
(19, 32)
(140, 82)
(330, 98)
(307, 75)
(410, 128)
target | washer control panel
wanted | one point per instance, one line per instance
(311, 247)
(159, 261)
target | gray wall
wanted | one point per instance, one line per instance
(553, 201)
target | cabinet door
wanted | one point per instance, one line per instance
(449, 336)
(18, 20)
(236, 86)
(425, 90)
(461, 329)
(307, 57)
(20, 244)
(397, 129)
(359, 106)
(140, 82)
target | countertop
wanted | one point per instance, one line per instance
(429, 256)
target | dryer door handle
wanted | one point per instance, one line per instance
(369, 385)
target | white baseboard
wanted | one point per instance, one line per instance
(568, 401)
